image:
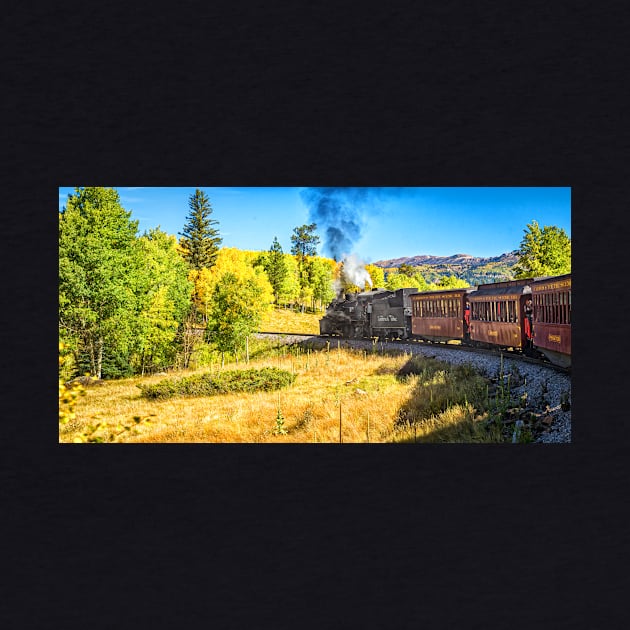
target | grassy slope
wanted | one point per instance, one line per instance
(286, 320)
(362, 384)
(363, 387)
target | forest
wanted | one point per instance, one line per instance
(132, 304)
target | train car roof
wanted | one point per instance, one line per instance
(501, 288)
(443, 291)
(506, 284)
(543, 279)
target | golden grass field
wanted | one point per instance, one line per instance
(286, 320)
(310, 406)
(360, 388)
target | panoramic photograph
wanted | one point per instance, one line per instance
(314, 315)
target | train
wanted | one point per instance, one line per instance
(531, 316)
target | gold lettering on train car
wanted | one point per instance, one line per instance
(435, 327)
(554, 338)
(493, 333)
(554, 285)
(492, 298)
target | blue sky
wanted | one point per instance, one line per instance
(376, 223)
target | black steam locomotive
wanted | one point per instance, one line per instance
(379, 313)
(530, 316)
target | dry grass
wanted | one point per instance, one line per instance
(285, 320)
(457, 424)
(362, 387)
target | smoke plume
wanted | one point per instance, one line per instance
(354, 271)
(340, 214)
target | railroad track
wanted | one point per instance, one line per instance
(426, 344)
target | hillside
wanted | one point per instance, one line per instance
(286, 320)
(474, 270)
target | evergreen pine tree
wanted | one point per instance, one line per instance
(276, 267)
(200, 240)
(305, 243)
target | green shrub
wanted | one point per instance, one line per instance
(265, 379)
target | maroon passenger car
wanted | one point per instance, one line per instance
(439, 315)
(498, 314)
(552, 318)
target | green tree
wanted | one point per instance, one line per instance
(543, 252)
(165, 297)
(304, 246)
(98, 267)
(321, 275)
(290, 289)
(273, 262)
(377, 274)
(200, 239)
(451, 282)
(237, 308)
(406, 270)
(402, 281)
(305, 243)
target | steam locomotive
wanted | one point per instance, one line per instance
(531, 316)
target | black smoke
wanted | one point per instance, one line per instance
(340, 214)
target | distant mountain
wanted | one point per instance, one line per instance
(474, 270)
(456, 259)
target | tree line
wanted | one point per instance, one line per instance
(136, 304)
(131, 304)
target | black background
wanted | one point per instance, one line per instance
(232, 536)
